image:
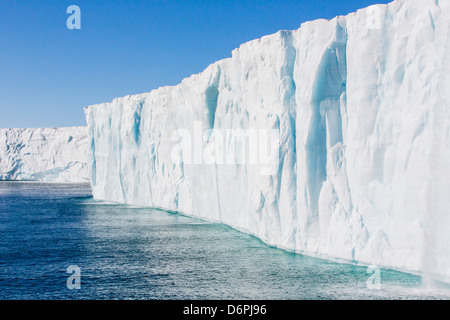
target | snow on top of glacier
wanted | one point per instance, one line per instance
(43, 128)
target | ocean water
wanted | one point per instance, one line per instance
(126, 252)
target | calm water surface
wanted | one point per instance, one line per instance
(140, 253)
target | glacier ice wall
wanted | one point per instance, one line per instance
(44, 154)
(361, 109)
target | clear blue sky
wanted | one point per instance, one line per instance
(48, 73)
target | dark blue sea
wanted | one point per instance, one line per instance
(124, 252)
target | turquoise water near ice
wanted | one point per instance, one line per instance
(127, 252)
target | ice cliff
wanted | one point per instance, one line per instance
(44, 154)
(360, 105)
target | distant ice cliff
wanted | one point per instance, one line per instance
(44, 154)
